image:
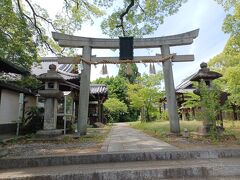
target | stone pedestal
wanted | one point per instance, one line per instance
(50, 119)
(204, 129)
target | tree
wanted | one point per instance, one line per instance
(138, 17)
(192, 101)
(16, 38)
(227, 62)
(227, 4)
(115, 109)
(210, 106)
(25, 26)
(231, 25)
(117, 87)
(145, 95)
(129, 71)
(231, 22)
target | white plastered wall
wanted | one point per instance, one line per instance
(9, 106)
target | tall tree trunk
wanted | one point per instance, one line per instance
(147, 115)
(142, 114)
(235, 116)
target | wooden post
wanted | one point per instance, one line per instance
(84, 93)
(99, 111)
(170, 92)
(103, 120)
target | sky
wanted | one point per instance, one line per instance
(205, 15)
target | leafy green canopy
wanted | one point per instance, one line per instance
(145, 95)
(210, 104)
(117, 87)
(192, 100)
(133, 73)
(115, 109)
(228, 62)
(25, 26)
(15, 36)
(143, 18)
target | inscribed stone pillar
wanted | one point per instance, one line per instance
(84, 93)
(170, 91)
(49, 117)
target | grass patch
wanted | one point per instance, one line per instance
(160, 129)
(156, 129)
(92, 138)
(232, 127)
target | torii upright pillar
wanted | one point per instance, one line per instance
(84, 92)
(170, 91)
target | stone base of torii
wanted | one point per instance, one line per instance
(164, 43)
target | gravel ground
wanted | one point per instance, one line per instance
(42, 149)
(64, 145)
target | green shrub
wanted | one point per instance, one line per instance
(115, 110)
(33, 121)
(164, 116)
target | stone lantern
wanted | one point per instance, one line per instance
(51, 93)
(204, 74)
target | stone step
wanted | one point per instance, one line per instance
(223, 168)
(25, 162)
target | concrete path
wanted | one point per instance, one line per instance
(123, 138)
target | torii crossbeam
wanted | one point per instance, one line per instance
(88, 44)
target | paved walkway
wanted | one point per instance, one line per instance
(122, 138)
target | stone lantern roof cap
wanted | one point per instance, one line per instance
(205, 74)
(51, 75)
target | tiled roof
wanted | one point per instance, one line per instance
(67, 75)
(96, 89)
(185, 85)
(65, 71)
(14, 87)
(8, 66)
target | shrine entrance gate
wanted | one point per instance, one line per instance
(87, 44)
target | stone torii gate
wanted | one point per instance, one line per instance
(87, 44)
